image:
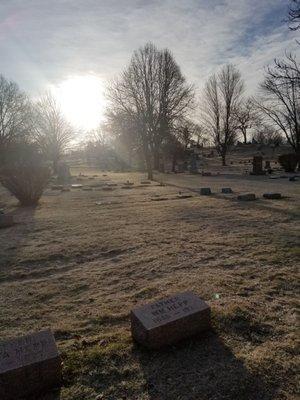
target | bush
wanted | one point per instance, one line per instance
(289, 161)
(24, 174)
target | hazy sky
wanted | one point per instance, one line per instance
(43, 42)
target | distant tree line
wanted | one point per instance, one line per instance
(40, 124)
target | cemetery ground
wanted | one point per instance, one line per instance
(81, 260)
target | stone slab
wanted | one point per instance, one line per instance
(29, 365)
(247, 197)
(159, 198)
(205, 191)
(107, 188)
(184, 196)
(226, 190)
(169, 320)
(272, 196)
(6, 221)
(56, 187)
(111, 184)
(293, 178)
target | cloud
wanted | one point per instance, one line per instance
(45, 42)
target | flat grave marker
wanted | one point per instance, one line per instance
(107, 188)
(205, 191)
(29, 365)
(226, 190)
(272, 196)
(184, 196)
(56, 187)
(247, 197)
(169, 320)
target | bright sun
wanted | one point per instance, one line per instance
(82, 100)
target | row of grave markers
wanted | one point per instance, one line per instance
(31, 365)
(242, 197)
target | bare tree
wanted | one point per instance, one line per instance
(153, 94)
(14, 113)
(245, 117)
(294, 15)
(135, 94)
(280, 99)
(222, 96)
(188, 132)
(51, 131)
(176, 99)
(267, 134)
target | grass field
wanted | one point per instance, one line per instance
(81, 260)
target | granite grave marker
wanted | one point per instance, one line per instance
(205, 191)
(29, 365)
(226, 190)
(169, 320)
(272, 196)
(247, 197)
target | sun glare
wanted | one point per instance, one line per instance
(82, 100)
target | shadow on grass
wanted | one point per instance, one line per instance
(15, 236)
(203, 368)
(54, 395)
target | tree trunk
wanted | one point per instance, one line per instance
(55, 165)
(149, 169)
(223, 159)
(130, 158)
(173, 163)
(156, 159)
(245, 137)
(147, 160)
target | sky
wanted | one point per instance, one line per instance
(73, 47)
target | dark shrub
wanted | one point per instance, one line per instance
(24, 174)
(289, 161)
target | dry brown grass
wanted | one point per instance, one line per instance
(79, 267)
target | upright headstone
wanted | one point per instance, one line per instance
(257, 165)
(29, 365)
(169, 320)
